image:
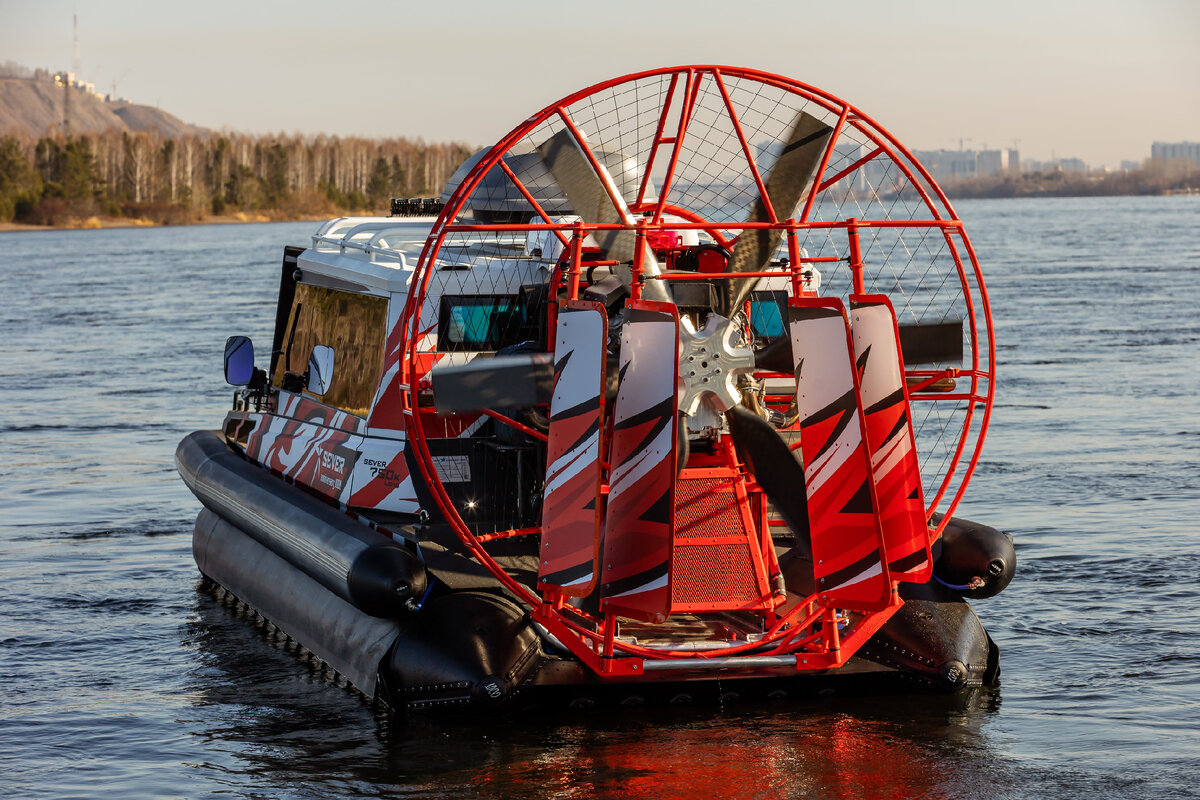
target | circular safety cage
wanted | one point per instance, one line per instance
(719, 199)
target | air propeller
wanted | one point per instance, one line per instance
(720, 386)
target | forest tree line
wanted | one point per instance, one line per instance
(55, 179)
(58, 180)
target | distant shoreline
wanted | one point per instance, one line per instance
(107, 222)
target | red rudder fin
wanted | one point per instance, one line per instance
(890, 436)
(847, 539)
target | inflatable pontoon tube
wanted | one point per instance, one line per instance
(360, 565)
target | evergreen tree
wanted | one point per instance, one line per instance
(20, 185)
(379, 187)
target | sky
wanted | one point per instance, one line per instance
(1093, 79)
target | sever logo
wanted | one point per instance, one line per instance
(332, 461)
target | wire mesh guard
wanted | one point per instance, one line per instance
(689, 152)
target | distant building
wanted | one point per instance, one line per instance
(954, 165)
(1070, 165)
(949, 165)
(1172, 151)
(1130, 166)
(69, 79)
(989, 162)
(844, 156)
(994, 162)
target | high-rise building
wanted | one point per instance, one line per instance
(845, 155)
(990, 162)
(1172, 151)
(949, 165)
(1070, 165)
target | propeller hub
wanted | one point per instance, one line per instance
(710, 362)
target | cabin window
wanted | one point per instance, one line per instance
(768, 310)
(355, 326)
(479, 322)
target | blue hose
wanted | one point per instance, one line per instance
(965, 587)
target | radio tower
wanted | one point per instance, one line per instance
(75, 62)
(70, 78)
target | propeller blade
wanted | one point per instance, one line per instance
(591, 194)
(775, 467)
(785, 185)
(595, 198)
(920, 342)
(776, 356)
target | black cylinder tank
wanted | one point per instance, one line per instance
(974, 559)
(376, 573)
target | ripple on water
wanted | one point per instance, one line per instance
(117, 676)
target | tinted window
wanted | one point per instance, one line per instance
(479, 322)
(768, 310)
(354, 325)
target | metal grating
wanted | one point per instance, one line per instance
(706, 507)
(711, 564)
(713, 573)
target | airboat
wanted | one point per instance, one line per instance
(673, 393)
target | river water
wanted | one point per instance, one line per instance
(118, 678)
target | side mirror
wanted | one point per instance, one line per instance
(320, 369)
(239, 360)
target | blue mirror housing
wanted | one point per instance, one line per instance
(239, 360)
(320, 369)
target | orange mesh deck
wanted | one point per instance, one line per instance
(716, 562)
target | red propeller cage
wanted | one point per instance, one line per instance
(873, 220)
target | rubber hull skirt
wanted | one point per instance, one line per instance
(350, 641)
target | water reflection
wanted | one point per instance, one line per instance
(282, 722)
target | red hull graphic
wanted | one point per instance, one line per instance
(309, 443)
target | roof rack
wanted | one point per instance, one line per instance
(377, 238)
(416, 206)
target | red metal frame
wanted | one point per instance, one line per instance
(685, 116)
(793, 630)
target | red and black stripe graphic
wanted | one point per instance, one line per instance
(641, 501)
(571, 513)
(310, 443)
(847, 539)
(890, 436)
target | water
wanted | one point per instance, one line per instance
(118, 678)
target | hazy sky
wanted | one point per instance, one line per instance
(1096, 79)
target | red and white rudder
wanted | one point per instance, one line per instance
(641, 497)
(890, 435)
(847, 539)
(571, 509)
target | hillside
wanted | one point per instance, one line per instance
(32, 108)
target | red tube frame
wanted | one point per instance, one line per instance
(912, 171)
